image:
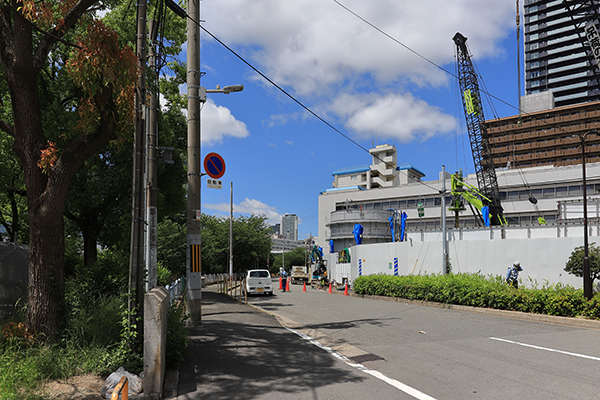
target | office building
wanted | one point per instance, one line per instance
(549, 137)
(289, 227)
(557, 57)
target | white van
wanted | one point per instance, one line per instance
(258, 281)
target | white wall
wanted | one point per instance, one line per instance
(543, 259)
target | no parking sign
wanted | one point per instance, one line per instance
(214, 165)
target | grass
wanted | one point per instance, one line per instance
(483, 291)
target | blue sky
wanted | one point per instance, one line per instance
(369, 87)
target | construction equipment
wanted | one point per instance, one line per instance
(584, 15)
(299, 274)
(318, 266)
(478, 135)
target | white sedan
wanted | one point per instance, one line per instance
(258, 281)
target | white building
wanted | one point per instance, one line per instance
(558, 191)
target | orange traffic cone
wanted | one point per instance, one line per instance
(330, 288)
(304, 288)
(280, 287)
(346, 290)
(287, 286)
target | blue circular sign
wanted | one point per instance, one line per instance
(214, 165)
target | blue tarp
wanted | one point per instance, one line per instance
(357, 232)
(485, 213)
(403, 218)
(331, 245)
(391, 219)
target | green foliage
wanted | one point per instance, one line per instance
(177, 336)
(477, 290)
(251, 243)
(296, 256)
(575, 263)
(171, 242)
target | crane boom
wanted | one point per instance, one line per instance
(478, 136)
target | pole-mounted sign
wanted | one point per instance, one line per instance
(214, 165)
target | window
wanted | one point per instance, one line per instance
(548, 192)
(574, 190)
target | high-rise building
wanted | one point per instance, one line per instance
(289, 227)
(557, 56)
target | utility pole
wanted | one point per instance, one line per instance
(151, 180)
(136, 260)
(193, 236)
(445, 268)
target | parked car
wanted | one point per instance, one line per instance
(258, 281)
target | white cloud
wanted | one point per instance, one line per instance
(218, 122)
(312, 45)
(396, 116)
(249, 207)
(317, 50)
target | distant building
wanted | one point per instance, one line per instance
(289, 227)
(549, 137)
(276, 229)
(555, 56)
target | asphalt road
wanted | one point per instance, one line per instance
(412, 351)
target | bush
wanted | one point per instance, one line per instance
(480, 291)
(177, 336)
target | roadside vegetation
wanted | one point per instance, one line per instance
(477, 290)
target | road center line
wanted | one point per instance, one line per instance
(397, 384)
(548, 349)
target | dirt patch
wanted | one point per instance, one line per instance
(83, 387)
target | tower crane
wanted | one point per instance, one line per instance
(478, 135)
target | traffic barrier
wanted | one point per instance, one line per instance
(287, 285)
(304, 288)
(121, 391)
(346, 290)
(330, 288)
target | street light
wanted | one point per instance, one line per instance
(587, 280)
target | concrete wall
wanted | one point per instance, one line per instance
(14, 277)
(543, 259)
(156, 315)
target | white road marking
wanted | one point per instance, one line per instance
(548, 349)
(397, 384)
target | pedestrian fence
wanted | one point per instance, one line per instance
(231, 285)
(176, 289)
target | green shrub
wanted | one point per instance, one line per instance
(177, 336)
(477, 290)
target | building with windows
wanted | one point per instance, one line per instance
(548, 137)
(557, 190)
(557, 56)
(289, 227)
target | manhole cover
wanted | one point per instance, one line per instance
(366, 357)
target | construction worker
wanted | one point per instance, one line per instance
(283, 276)
(512, 275)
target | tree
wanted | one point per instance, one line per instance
(296, 256)
(104, 73)
(575, 263)
(251, 243)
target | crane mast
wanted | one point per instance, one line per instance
(478, 135)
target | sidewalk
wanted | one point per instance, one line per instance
(240, 352)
